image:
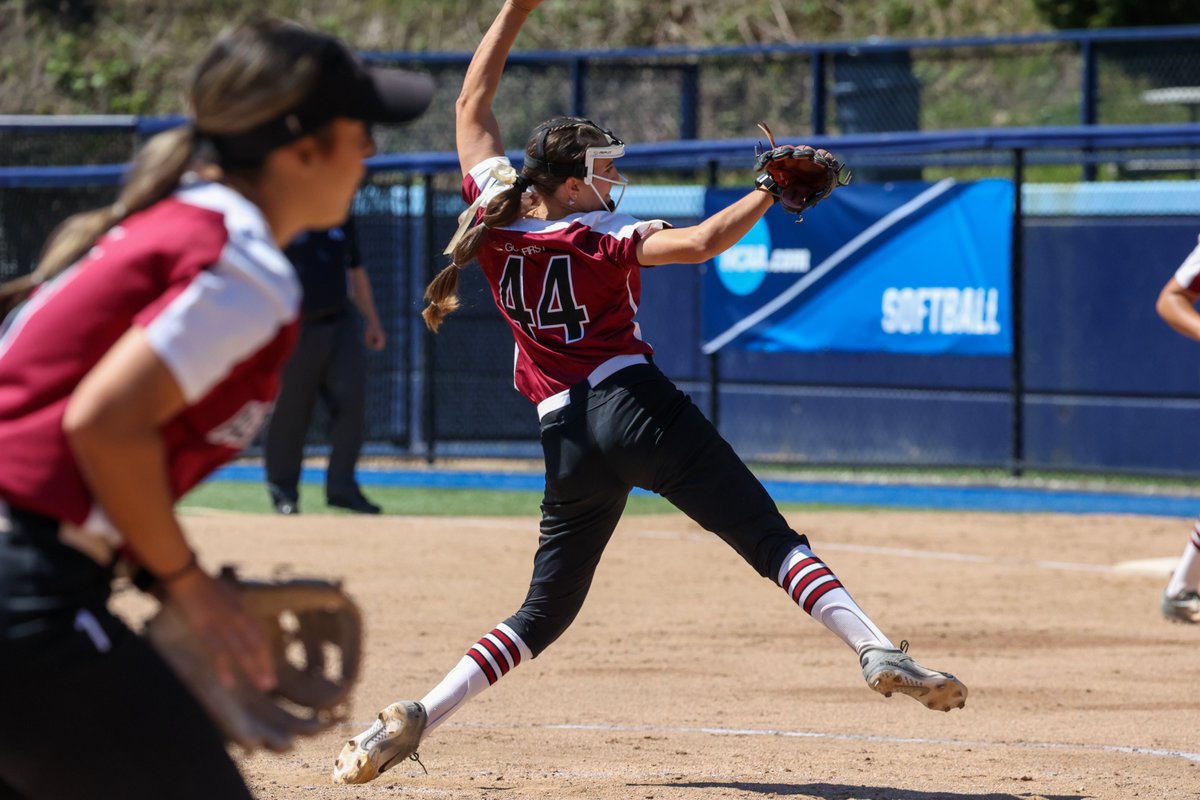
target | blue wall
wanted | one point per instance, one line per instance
(1109, 385)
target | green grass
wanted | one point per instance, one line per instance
(250, 497)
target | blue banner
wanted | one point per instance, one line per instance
(905, 267)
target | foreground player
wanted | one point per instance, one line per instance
(1177, 306)
(564, 271)
(147, 354)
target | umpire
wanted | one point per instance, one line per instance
(329, 362)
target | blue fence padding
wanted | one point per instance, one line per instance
(1092, 433)
(821, 425)
(61, 177)
(1089, 321)
(895, 370)
(963, 498)
(695, 153)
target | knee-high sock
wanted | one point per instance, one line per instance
(814, 587)
(1187, 571)
(488, 659)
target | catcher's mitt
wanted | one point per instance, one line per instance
(315, 633)
(799, 176)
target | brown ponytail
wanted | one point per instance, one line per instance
(442, 293)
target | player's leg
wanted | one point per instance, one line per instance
(666, 445)
(1181, 600)
(287, 429)
(582, 505)
(680, 455)
(345, 395)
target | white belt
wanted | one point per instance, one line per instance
(605, 370)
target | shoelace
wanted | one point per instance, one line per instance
(375, 736)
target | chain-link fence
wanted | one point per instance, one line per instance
(451, 395)
(1141, 76)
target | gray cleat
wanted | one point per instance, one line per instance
(887, 670)
(1182, 607)
(395, 735)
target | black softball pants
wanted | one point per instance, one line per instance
(87, 708)
(635, 428)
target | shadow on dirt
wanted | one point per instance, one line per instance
(837, 791)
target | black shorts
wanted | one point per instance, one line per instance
(89, 710)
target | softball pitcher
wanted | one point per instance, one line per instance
(564, 270)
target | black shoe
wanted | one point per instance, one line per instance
(284, 503)
(355, 502)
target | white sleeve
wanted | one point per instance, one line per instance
(1189, 271)
(486, 173)
(621, 226)
(225, 315)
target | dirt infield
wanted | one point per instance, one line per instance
(686, 676)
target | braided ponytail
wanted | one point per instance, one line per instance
(442, 292)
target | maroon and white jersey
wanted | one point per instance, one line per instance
(569, 288)
(1188, 274)
(218, 301)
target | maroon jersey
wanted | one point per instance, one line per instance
(200, 273)
(569, 289)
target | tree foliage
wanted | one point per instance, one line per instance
(1070, 14)
(132, 56)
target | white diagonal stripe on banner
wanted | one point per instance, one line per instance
(840, 255)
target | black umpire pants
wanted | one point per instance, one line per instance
(329, 362)
(635, 429)
(87, 708)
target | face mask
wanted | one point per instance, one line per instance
(614, 149)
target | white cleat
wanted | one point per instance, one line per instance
(888, 671)
(1182, 607)
(392, 737)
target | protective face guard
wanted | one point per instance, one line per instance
(614, 149)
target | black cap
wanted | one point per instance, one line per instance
(344, 87)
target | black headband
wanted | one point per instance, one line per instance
(563, 169)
